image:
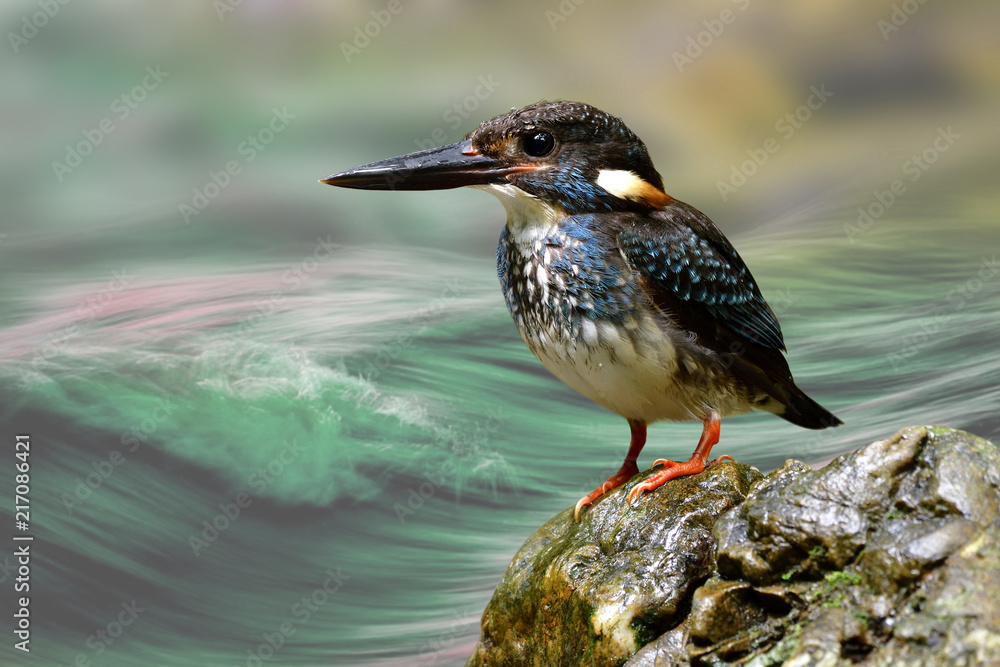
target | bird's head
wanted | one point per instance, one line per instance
(568, 156)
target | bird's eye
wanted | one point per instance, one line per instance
(539, 143)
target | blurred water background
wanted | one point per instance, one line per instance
(191, 326)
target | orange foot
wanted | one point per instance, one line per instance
(628, 470)
(696, 464)
(692, 466)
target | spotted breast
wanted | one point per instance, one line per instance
(580, 309)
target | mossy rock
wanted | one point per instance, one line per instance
(596, 591)
(887, 556)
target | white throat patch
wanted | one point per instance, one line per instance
(528, 217)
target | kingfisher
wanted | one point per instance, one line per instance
(631, 297)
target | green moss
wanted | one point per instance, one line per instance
(834, 585)
(861, 616)
(782, 651)
(644, 631)
(841, 578)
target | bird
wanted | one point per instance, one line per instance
(631, 297)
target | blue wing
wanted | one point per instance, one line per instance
(681, 256)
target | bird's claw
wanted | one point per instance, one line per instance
(624, 474)
(639, 488)
(672, 470)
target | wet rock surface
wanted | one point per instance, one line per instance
(889, 555)
(595, 592)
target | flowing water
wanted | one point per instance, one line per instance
(330, 457)
(295, 425)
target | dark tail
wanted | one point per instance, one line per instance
(784, 398)
(794, 406)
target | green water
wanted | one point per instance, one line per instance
(394, 439)
(339, 368)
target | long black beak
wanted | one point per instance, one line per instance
(439, 168)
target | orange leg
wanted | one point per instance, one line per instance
(693, 466)
(624, 474)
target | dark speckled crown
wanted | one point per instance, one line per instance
(588, 140)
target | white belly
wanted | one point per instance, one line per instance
(633, 374)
